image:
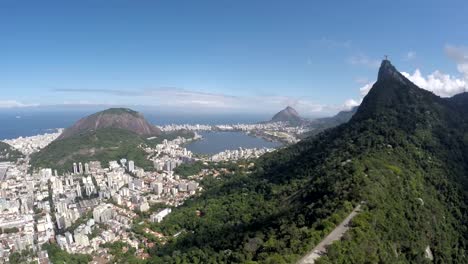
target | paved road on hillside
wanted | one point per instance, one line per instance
(336, 234)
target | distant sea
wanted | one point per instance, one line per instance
(18, 123)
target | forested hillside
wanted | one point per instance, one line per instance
(7, 153)
(103, 145)
(404, 154)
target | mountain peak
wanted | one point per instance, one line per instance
(116, 118)
(118, 111)
(288, 114)
(291, 110)
(388, 72)
(393, 95)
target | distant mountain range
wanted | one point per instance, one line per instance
(320, 124)
(292, 117)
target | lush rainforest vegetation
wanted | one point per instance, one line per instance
(7, 153)
(404, 154)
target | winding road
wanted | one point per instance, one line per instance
(335, 235)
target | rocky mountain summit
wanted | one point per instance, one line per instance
(288, 114)
(118, 118)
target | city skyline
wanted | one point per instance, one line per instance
(223, 57)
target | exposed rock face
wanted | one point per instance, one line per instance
(288, 114)
(388, 72)
(119, 118)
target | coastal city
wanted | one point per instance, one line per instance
(94, 204)
(233, 132)
(275, 131)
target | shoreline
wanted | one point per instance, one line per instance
(46, 131)
(227, 148)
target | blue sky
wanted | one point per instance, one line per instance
(225, 56)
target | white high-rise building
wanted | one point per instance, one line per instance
(57, 185)
(69, 181)
(69, 237)
(86, 168)
(131, 166)
(78, 190)
(75, 168)
(46, 173)
(80, 165)
(102, 213)
(157, 187)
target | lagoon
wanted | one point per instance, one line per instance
(215, 142)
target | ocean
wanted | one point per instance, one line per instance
(19, 123)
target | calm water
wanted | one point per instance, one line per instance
(13, 125)
(16, 123)
(214, 142)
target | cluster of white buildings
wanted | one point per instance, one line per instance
(22, 196)
(175, 127)
(240, 154)
(281, 131)
(45, 207)
(120, 190)
(29, 145)
(170, 154)
(275, 126)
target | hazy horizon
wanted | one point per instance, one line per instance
(224, 57)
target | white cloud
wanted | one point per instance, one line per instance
(444, 85)
(350, 103)
(14, 104)
(366, 88)
(439, 83)
(191, 100)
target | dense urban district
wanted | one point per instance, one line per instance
(382, 183)
(96, 211)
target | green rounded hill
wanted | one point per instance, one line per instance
(105, 136)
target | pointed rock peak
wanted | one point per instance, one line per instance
(290, 109)
(288, 114)
(388, 72)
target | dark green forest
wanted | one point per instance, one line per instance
(7, 153)
(404, 154)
